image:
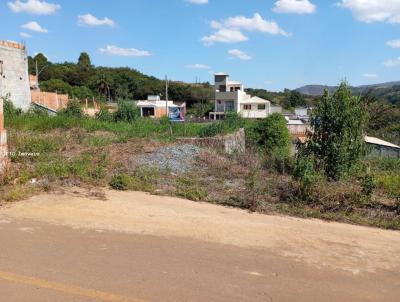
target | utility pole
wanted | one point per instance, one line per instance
(37, 76)
(38, 72)
(166, 95)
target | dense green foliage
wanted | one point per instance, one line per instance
(83, 80)
(337, 140)
(272, 135)
(9, 109)
(74, 109)
(127, 112)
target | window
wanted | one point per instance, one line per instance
(261, 107)
(247, 107)
(229, 106)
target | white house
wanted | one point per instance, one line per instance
(231, 97)
(154, 107)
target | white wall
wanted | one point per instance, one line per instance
(254, 112)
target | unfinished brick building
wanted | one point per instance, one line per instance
(14, 79)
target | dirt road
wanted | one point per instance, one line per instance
(137, 247)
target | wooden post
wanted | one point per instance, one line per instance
(3, 142)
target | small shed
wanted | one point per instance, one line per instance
(380, 148)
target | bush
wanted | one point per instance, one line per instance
(390, 183)
(212, 130)
(9, 109)
(272, 135)
(74, 109)
(127, 112)
(368, 185)
(189, 189)
(305, 174)
(121, 182)
(104, 115)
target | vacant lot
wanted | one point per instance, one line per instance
(145, 156)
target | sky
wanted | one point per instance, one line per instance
(267, 44)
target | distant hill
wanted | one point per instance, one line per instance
(389, 91)
(318, 90)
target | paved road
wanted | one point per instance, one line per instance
(59, 261)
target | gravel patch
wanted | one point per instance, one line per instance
(177, 159)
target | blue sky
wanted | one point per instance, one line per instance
(263, 43)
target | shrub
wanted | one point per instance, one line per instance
(368, 185)
(272, 135)
(74, 109)
(127, 112)
(9, 109)
(212, 130)
(390, 183)
(104, 115)
(187, 188)
(305, 174)
(121, 182)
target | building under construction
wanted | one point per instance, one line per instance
(14, 78)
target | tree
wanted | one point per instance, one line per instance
(55, 85)
(81, 92)
(273, 135)
(336, 142)
(127, 112)
(294, 99)
(84, 61)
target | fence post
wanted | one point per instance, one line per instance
(3, 142)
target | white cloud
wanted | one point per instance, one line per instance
(392, 63)
(370, 75)
(373, 10)
(239, 54)
(268, 82)
(113, 50)
(34, 26)
(197, 1)
(25, 35)
(198, 66)
(393, 43)
(225, 35)
(294, 7)
(230, 30)
(256, 23)
(92, 21)
(36, 7)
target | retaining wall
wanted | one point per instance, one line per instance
(231, 143)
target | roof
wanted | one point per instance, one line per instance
(255, 100)
(160, 103)
(378, 141)
(295, 122)
(221, 74)
(234, 83)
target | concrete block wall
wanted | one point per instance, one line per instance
(14, 78)
(234, 143)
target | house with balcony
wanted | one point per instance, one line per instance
(231, 97)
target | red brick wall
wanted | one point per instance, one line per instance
(50, 99)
